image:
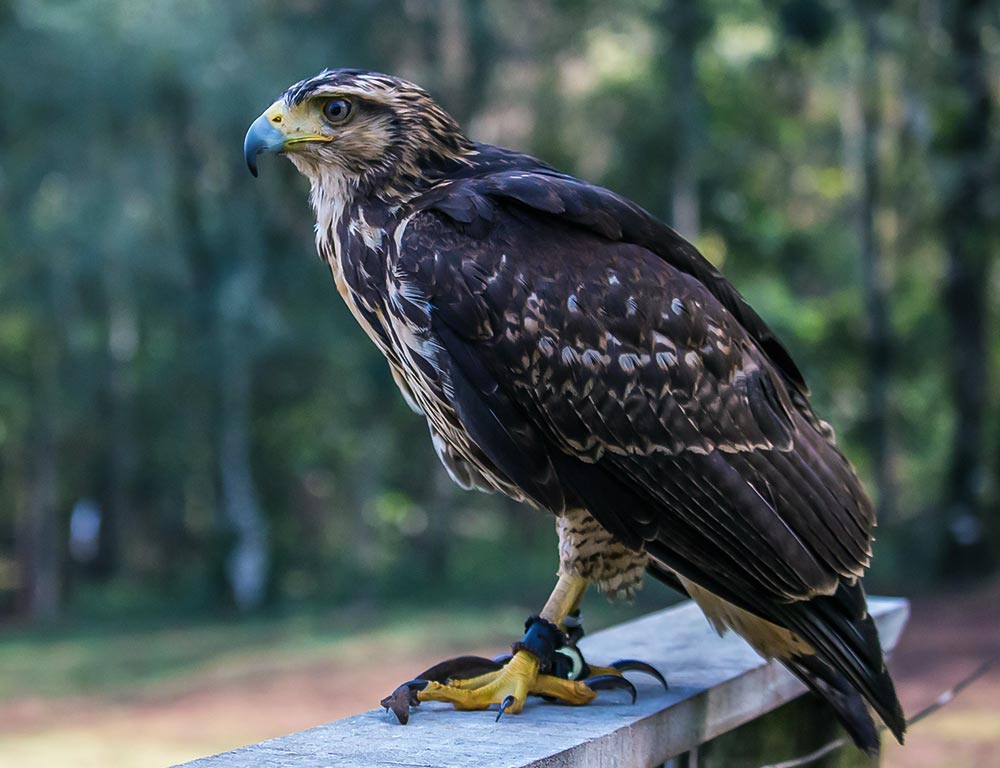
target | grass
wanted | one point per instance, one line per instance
(108, 659)
(111, 657)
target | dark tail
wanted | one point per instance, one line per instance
(848, 668)
(846, 702)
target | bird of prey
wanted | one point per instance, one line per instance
(571, 351)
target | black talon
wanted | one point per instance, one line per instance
(459, 668)
(415, 685)
(404, 697)
(626, 665)
(503, 707)
(502, 659)
(611, 683)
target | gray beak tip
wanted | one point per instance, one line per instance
(261, 137)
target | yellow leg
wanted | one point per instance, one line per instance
(563, 601)
(565, 598)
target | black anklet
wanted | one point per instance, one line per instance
(542, 639)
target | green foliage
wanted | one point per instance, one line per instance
(146, 278)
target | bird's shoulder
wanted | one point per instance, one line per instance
(504, 197)
(622, 350)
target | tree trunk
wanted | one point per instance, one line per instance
(453, 54)
(685, 24)
(878, 339)
(123, 332)
(436, 549)
(368, 462)
(42, 550)
(969, 239)
(247, 564)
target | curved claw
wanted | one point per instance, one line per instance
(611, 683)
(504, 705)
(460, 667)
(503, 658)
(404, 697)
(626, 665)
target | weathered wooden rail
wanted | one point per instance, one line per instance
(715, 714)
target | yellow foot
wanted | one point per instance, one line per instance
(508, 686)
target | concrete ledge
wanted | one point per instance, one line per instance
(716, 684)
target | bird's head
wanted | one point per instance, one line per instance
(351, 131)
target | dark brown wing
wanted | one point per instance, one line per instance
(642, 384)
(472, 203)
(621, 361)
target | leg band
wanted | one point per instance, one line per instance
(541, 639)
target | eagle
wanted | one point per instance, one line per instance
(573, 352)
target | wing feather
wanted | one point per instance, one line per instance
(610, 354)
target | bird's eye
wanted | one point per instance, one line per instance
(337, 110)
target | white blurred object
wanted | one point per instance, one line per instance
(85, 531)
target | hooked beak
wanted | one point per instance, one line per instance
(263, 136)
(281, 129)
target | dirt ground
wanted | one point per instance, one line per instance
(945, 640)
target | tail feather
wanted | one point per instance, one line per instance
(847, 669)
(846, 702)
(848, 651)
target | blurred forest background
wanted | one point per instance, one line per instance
(191, 424)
